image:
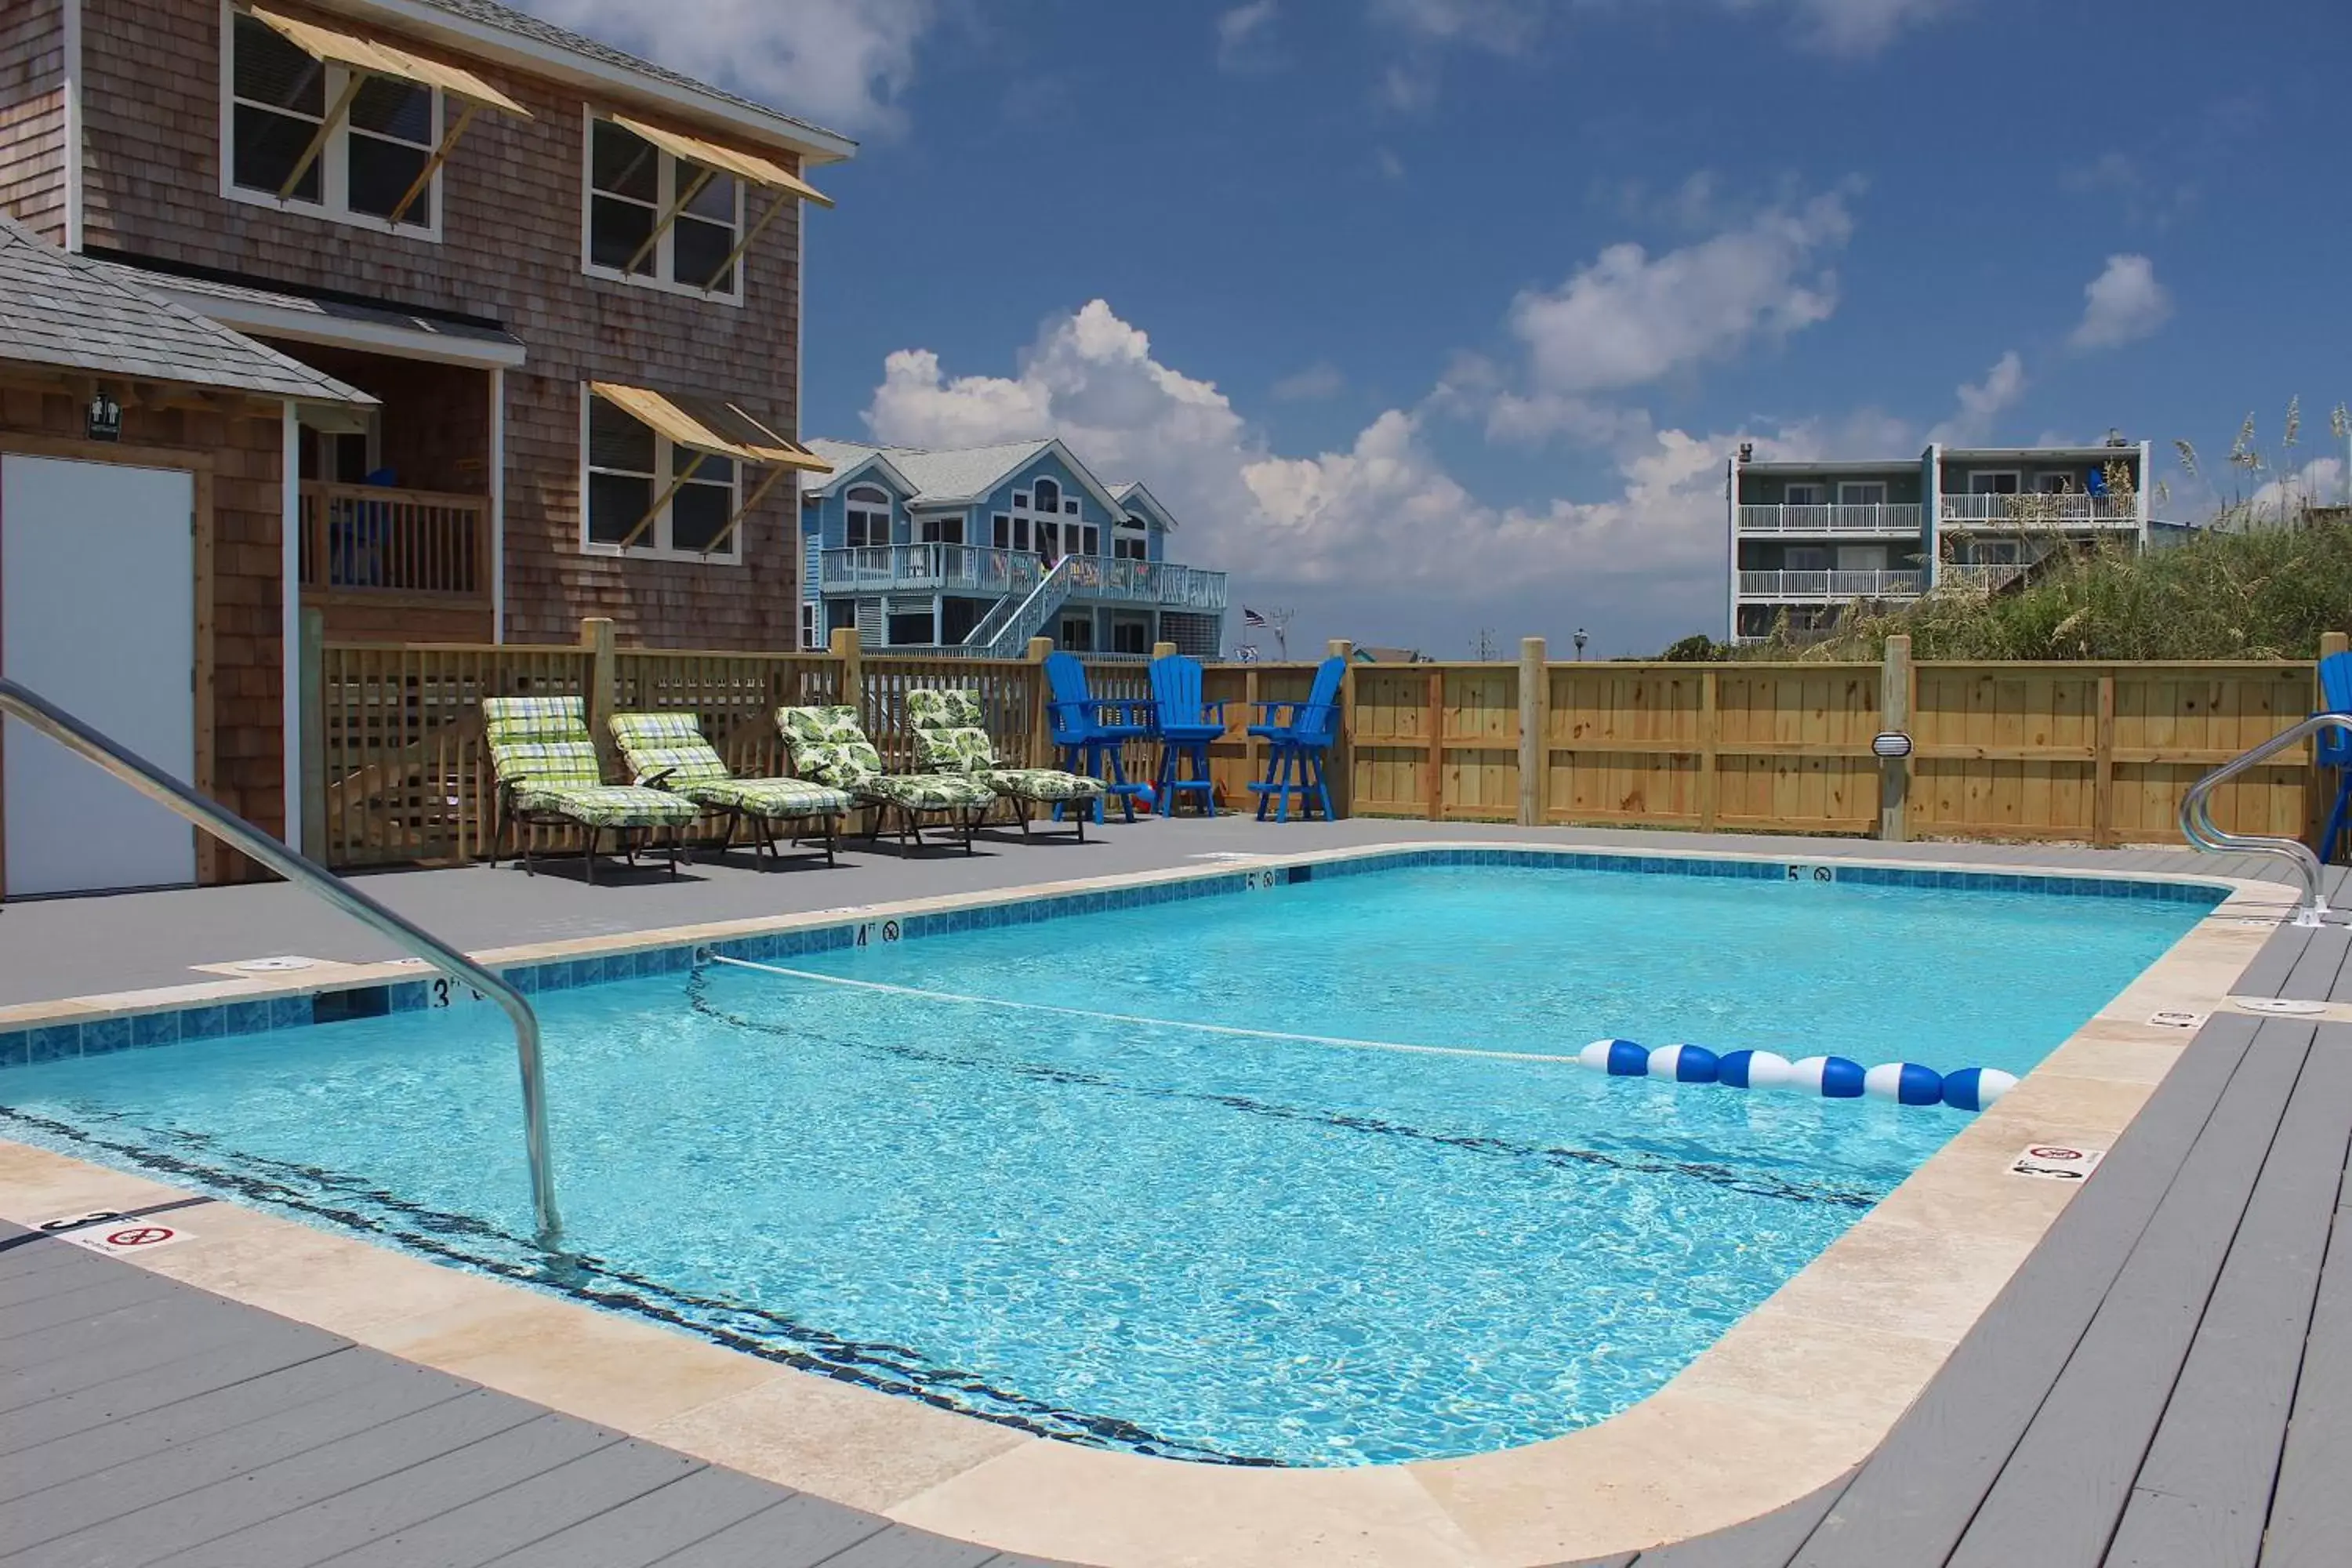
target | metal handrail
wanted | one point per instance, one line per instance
(2198, 827)
(17, 702)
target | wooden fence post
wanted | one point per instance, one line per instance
(1894, 714)
(2103, 765)
(596, 637)
(1710, 734)
(1342, 761)
(1041, 717)
(1535, 745)
(311, 693)
(1163, 650)
(1436, 789)
(849, 670)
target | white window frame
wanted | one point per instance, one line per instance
(656, 545)
(333, 162)
(927, 528)
(809, 624)
(1130, 531)
(666, 191)
(1847, 486)
(853, 501)
(2070, 483)
(1976, 480)
(1816, 493)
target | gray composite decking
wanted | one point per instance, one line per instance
(2168, 1380)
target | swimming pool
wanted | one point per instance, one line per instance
(1218, 1247)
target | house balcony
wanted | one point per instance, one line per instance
(1980, 577)
(1830, 587)
(1875, 520)
(399, 564)
(2010, 513)
(981, 570)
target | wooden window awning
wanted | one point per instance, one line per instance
(372, 56)
(709, 428)
(750, 167)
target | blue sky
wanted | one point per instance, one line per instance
(1430, 316)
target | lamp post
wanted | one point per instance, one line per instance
(1579, 639)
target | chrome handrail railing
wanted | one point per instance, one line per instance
(2198, 827)
(169, 792)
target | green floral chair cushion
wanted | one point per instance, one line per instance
(971, 755)
(940, 708)
(830, 746)
(652, 742)
(540, 749)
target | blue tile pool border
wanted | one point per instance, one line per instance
(58, 1039)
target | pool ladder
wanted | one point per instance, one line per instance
(18, 702)
(2197, 823)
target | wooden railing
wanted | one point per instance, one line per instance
(2094, 752)
(368, 540)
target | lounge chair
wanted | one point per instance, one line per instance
(829, 747)
(1090, 732)
(549, 777)
(667, 752)
(2333, 748)
(1300, 735)
(1187, 726)
(951, 738)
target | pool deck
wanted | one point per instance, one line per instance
(2166, 1378)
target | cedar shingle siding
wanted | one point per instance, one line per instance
(32, 115)
(509, 249)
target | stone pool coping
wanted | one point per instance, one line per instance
(1795, 1393)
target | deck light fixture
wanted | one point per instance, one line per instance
(1580, 639)
(1891, 744)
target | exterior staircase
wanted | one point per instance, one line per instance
(1005, 631)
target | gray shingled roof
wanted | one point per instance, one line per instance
(186, 286)
(69, 313)
(522, 25)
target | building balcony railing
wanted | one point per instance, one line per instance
(1831, 586)
(369, 541)
(2041, 511)
(1987, 577)
(1872, 518)
(976, 569)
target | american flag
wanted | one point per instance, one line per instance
(1251, 617)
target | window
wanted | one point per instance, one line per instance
(958, 616)
(374, 164)
(634, 187)
(1861, 492)
(1128, 633)
(1070, 507)
(1862, 558)
(1078, 634)
(1020, 500)
(2002, 482)
(1806, 558)
(1129, 540)
(1049, 496)
(909, 629)
(1010, 532)
(810, 637)
(2060, 483)
(944, 529)
(1086, 538)
(1807, 494)
(1049, 540)
(868, 523)
(630, 468)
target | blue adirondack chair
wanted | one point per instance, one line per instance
(1186, 725)
(1089, 731)
(1298, 734)
(2333, 748)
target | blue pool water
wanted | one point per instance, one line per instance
(1212, 1247)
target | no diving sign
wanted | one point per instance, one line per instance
(116, 1235)
(2056, 1163)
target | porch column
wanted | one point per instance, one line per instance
(499, 503)
(290, 620)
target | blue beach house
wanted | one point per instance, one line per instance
(982, 548)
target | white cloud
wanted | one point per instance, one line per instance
(842, 63)
(1504, 26)
(2123, 304)
(1982, 402)
(1318, 382)
(1629, 318)
(1859, 28)
(1380, 516)
(1391, 166)
(2319, 482)
(1851, 28)
(1245, 35)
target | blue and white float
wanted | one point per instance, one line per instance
(1618, 1058)
(1906, 1083)
(1685, 1064)
(1832, 1077)
(1752, 1069)
(1976, 1088)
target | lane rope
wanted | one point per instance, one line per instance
(1228, 1030)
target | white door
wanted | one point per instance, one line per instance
(98, 614)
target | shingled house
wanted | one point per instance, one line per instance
(561, 287)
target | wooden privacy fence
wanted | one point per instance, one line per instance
(394, 770)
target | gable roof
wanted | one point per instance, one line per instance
(69, 313)
(485, 23)
(1128, 492)
(957, 475)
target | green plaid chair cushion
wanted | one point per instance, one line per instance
(953, 751)
(654, 742)
(608, 806)
(829, 746)
(936, 708)
(769, 797)
(1043, 783)
(540, 741)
